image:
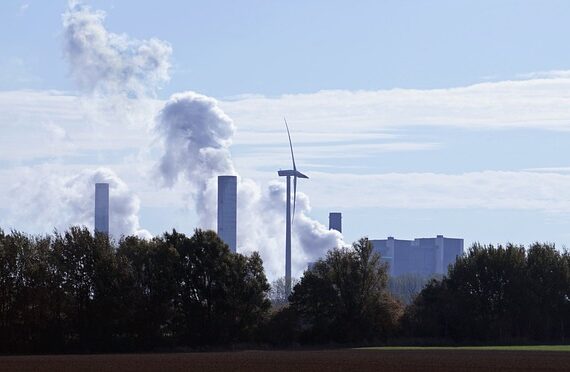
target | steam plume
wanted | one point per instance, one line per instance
(196, 136)
(119, 72)
(104, 62)
(47, 200)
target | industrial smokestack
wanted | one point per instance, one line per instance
(227, 210)
(102, 208)
(335, 221)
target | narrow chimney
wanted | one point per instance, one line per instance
(102, 208)
(335, 221)
(227, 210)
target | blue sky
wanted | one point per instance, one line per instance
(225, 48)
(413, 118)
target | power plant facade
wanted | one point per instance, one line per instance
(102, 208)
(227, 210)
(335, 221)
(421, 256)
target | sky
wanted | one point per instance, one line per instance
(412, 118)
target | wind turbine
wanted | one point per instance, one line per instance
(295, 174)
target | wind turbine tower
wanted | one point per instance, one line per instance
(288, 217)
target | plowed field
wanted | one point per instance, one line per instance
(297, 361)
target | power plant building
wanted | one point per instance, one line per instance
(227, 210)
(102, 208)
(421, 256)
(335, 221)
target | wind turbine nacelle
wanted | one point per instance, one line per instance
(292, 173)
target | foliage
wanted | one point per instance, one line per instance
(343, 298)
(497, 294)
(74, 291)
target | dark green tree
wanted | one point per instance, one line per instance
(150, 287)
(74, 291)
(428, 315)
(9, 289)
(487, 289)
(25, 298)
(547, 300)
(496, 294)
(344, 297)
(222, 295)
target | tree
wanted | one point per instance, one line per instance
(487, 288)
(248, 304)
(74, 291)
(428, 315)
(480, 299)
(547, 297)
(222, 295)
(25, 295)
(150, 285)
(496, 294)
(344, 297)
(9, 288)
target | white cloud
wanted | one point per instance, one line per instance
(107, 63)
(319, 120)
(516, 190)
(533, 103)
(552, 74)
(75, 126)
(549, 170)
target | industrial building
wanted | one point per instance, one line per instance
(102, 208)
(227, 210)
(421, 256)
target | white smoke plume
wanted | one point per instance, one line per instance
(119, 74)
(45, 199)
(196, 136)
(261, 227)
(106, 63)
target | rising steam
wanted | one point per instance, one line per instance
(59, 201)
(195, 135)
(105, 62)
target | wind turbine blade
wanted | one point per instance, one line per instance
(294, 197)
(290, 144)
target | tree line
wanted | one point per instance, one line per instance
(74, 291)
(78, 292)
(497, 294)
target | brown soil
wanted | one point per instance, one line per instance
(297, 361)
